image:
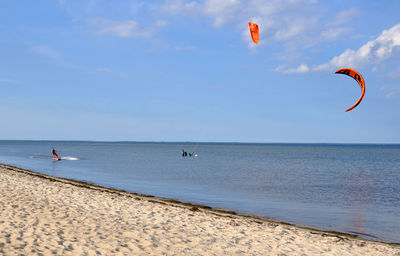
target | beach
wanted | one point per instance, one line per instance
(44, 215)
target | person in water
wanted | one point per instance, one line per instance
(184, 153)
(53, 151)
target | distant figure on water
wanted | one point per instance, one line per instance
(184, 153)
(53, 151)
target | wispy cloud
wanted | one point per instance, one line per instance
(228, 11)
(303, 68)
(373, 52)
(105, 70)
(298, 24)
(56, 57)
(338, 26)
(178, 48)
(395, 73)
(390, 91)
(46, 51)
(220, 11)
(331, 34)
(344, 17)
(6, 80)
(126, 29)
(179, 7)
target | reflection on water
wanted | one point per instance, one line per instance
(357, 219)
(347, 188)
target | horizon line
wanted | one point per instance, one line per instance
(201, 142)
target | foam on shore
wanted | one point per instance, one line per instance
(40, 214)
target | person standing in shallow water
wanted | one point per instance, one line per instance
(53, 151)
(184, 153)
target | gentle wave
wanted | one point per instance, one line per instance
(41, 156)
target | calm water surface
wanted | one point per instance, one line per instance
(346, 188)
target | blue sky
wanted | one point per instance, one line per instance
(178, 70)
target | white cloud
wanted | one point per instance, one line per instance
(373, 52)
(303, 68)
(126, 29)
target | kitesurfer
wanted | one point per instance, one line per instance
(184, 153)
(53, 151)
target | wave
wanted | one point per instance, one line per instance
(41, 156)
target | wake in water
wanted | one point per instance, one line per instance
(68, 158)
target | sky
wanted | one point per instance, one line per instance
(187, 70)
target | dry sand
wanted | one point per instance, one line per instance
(42, 215)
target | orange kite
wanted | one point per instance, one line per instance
(255, 34)
(357, 76)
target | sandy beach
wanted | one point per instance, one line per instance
(43, 215)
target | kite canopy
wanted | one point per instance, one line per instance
(357, 76)
(254, 32)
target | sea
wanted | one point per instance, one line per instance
(350, 188)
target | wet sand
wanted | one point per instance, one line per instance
(43, 215)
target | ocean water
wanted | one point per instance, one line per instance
(342, 187)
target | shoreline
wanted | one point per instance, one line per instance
(188, 210)
(174, 202)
